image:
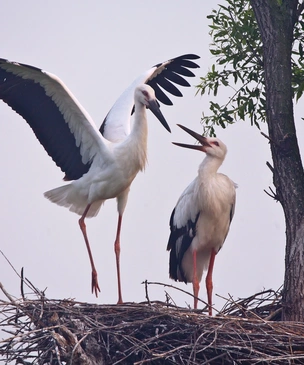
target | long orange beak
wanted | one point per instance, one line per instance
(202, 140)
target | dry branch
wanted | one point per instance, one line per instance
(54, 332)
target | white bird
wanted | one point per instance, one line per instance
(201, 218)
(102, 163)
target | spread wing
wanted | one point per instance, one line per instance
(116, 125)
(60, 123)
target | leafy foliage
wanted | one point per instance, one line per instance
(237, 48)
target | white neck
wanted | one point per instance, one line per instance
(138, 137)
(209, 166)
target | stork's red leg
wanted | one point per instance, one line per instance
(95, 286)
(195, 281)
(117, 254)
(209, 284)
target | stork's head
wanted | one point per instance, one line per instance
(211, 146)
(145, 95)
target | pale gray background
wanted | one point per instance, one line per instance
(97, 48)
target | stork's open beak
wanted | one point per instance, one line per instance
(154, 107)
(202, 140)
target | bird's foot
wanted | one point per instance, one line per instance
(95, 286)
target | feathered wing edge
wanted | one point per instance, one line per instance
(116, 125)
(179, 242)
(65, 197)
(61, 124)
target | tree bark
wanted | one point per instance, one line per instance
(276, 19)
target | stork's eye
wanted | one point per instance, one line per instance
(215, 143)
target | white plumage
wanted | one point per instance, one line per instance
(201, 218)
(112, 169)
(100, 163)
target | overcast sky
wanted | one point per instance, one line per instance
(98, 48)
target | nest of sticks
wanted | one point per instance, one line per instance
(53, 332)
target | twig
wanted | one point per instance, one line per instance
(273, 195)
(169, 299)
(20, 276)
(183, 291)
(9, 297)
(8, 261)
(146, 291)
(64, 331)
(270, 166)
(21, 284)
(267, 137)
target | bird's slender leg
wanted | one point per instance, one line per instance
(95, 286)
(209, 284)
(117, 254)
(195, 281)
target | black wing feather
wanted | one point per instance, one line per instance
(160, 95)
(185, 236)
(168, 86)
(29, 100)
(166, 77)
(187, 63)
(172, 76)
(182, 70)
(172, 73)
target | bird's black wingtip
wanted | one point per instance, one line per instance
(185, 59)
(189, 56)
(172, 72)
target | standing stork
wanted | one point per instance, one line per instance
(101, 163)
(201, 218)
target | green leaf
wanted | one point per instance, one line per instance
(237, 48)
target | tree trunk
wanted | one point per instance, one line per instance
(276, 19)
